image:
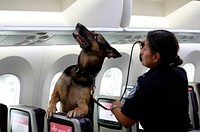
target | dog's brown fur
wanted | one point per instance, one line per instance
(74, 87)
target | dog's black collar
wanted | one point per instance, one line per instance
(79, 70)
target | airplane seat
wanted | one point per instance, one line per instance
(104, 116)
(30, 118)
(3, 117)
(59, 122)
(194, 103)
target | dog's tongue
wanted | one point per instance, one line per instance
(81, 41)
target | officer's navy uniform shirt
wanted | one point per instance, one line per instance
(160, 102)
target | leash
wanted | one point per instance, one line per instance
(128, 71)
(95, 101)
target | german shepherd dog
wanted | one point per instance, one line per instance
(75, 87)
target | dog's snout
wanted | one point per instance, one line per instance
(79, 24)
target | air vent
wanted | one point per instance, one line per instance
(35, 38)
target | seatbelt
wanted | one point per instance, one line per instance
(194, 107)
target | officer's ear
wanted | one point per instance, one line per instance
(156, 57)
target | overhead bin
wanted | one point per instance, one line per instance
(102, 13)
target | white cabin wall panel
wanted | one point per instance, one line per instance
(187, 48)
(190, 54)
(197, 71)
(22, 69)
(193, 58)
(25, 63)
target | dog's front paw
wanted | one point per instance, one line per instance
(75, 113)
(72, 114)
(50, 111)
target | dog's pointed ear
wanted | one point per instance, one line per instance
(112, 52)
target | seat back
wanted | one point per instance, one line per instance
(103, 117)
(59, 122)
(194, 103)
(29, 117)
(3, 117)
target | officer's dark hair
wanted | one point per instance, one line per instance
(166, 44)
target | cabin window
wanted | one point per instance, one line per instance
(111, 82)
(189, 68)
(10, 89)
(53, 82)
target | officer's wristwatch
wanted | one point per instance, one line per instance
(113, 107)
